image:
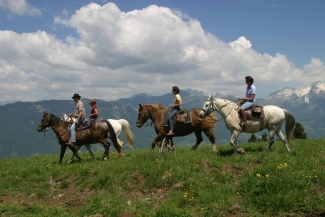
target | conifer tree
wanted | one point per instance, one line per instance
(264, 137)
(299, 132)
(253, 138)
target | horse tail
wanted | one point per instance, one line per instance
(127, 130)
(113, 137)
(290, 123)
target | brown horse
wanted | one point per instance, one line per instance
(97, 132)
(156, 114)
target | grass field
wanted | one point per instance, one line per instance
(182, 183)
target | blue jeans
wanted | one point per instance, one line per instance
(73, 128)
(247, 105)
(172, 114)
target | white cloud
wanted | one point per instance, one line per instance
(20, 8)
(118, 54)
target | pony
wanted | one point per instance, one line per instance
(273, 120)
(156, 114)
(118, 125)
(97, 132)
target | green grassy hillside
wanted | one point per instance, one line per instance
(182, 183)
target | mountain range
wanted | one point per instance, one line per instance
(18, 120)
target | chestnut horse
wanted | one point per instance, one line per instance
(97, 132)
(156, 114)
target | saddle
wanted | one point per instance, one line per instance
(183, 116)
(255, 112)
(85, 124)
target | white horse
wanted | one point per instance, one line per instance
(118, 126)
(274, 118)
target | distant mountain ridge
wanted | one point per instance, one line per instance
(18, 121)
(302, 95)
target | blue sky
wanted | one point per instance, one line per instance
(114, 49)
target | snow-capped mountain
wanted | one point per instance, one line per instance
(303, 95)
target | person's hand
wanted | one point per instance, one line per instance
(240, 98)
(76, 121)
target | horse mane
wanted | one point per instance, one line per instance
(55, 119)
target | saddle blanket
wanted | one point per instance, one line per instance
(188, 118)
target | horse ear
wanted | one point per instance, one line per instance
(140, 106)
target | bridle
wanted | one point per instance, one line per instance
(146, 117)
(212, 108)
(47, 125)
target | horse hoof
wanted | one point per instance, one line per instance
(214, 149)
(121, 155)
(241, 151)
(105, 159)
(69, 162)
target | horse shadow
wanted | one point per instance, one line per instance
(230, 152)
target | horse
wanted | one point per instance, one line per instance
(273, 120)
(97, 132)
(118, 126)
(156, 114)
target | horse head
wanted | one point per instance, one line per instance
(208, 107)
(44, 123)
(142, 115)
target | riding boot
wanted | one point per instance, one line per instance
(244, 118)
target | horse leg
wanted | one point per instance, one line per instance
(233, 142)
(71, 159)
(158, 138)
(283, 139)
(106, 145)
(91, 152)
(210, 134)
(75, 152)
(199, 139)
(271, 140)
(63, 148)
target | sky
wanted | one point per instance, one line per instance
(115, 49)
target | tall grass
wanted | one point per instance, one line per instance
(182, 183)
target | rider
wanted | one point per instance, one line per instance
(174, 109)
(247, 101)
(94, 110)
(80, 114)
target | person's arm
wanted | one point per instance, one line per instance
(248, 99)
(79, 115)
(95, 112)
(178, 102)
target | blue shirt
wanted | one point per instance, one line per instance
(249, 91)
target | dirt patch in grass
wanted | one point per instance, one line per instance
(229, 168)
(62, 193)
